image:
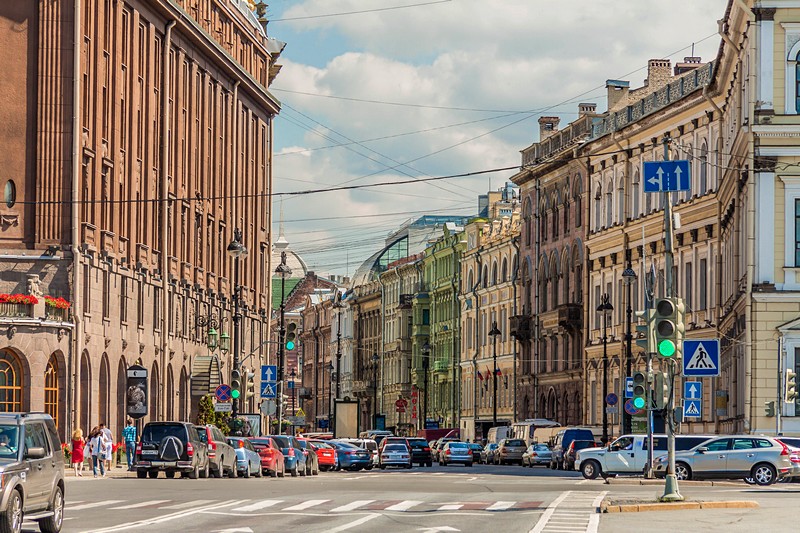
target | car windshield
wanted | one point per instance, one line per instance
(395, 448)
(541, 448)
(9, 442)
(324, 445)
(515, 442)
(157, 432)
(418, 444)
(283, 442)
(582, 444)
(452, 445)
(201, 432)
(345, 446)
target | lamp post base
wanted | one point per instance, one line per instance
(671, 493)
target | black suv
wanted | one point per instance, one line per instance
(420, 451)
(32, 472)
(171, 447)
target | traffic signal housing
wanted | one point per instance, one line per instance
(669, 328)
(769, 409)
(290, 340)
(790, 386)
(639, 390)
(660, 390)
(250, 384)
(647, 328)
(236, 383)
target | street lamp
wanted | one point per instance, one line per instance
(237, 250)
(338, 305)
(283, 271)
(375, 390)
(426, 350)
(604, 310)
(493, 334)
(629, 277)
(329, 366)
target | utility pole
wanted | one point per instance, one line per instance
(494, 333)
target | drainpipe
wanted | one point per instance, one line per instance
(455, 282)
(382, 340)
(514, 278)
(77, 297)
(536, 310)
(164, 203)
(474, 290)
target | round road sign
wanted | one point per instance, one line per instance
(612, 399)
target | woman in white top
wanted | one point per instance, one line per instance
(98, 442)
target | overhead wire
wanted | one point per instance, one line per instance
(306, 17)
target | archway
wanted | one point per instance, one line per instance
(10, 382)
(183, 396)
(154, 384)
(85, 393)
(104, 392)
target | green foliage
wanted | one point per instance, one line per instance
(207, 415)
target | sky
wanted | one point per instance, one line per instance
(377, 91)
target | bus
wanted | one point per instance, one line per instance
(525, 429)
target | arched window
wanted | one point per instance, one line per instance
(635, 197)
(10, 382)
(797, 84)
(51, 391)
(155, 379)
(504, 271)
(485, 276)
(104, 389)
(598, 208)
(609, 205)
(470, 281)
(578, 202)
(543, 291)
(528, 219)
(10, 194)
(555, 223)
(703, 170)
(621, 199)
(494, 272)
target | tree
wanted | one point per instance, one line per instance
(207, 415)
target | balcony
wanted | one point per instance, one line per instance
(16, 310)
(60, 315)
(441, 365)
(520, 327)
(568, 316)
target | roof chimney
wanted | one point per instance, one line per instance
(617, 91)
(659, 73)
(547, 127)
(689, 64)
(584, 109)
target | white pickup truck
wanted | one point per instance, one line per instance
(627, 455)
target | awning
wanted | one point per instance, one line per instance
(205, 375)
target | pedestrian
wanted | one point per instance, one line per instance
(108, 451)
(77, 451)
(98, 442)
(129, 436)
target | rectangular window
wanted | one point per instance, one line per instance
(797, 232)
(688, 295)
(140, 306)
(123, 299)
(87, 289)
(106, 294)
(426, 317)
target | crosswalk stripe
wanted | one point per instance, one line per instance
(94, 504)
(141, 504)
(305, 505)
(403, 506)
(500, 506)
(258, 505)
(184, 505)
(450, 507)
(352, 506)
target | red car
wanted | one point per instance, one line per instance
(325, 453)
(272, 462)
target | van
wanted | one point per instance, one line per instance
(628, 454)
(545, 435)
(496, 434)
(375, 434)
(562, 441)
(528, 429)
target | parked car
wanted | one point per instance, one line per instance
(370, 445)
(764, 459)
(562, 441)
(509, 451)
(248, 462)
(627, 455)
(312, 461)
(487, 454)
(455, 452)
(32, 466)
(439, 444)
(420, 451)
(350, 456)
(292, 454)
(536, 454)
(221, 455)
(171, 447)
(476, 450)
(326, 454)
(574, 447)
(395, 455)
(272, 460)
(375, 434)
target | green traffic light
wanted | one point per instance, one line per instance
(666, 348)
(638, 403)
(290, 345)
(235, 394)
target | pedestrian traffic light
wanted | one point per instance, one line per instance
(646, 328)
(661, 390)
(669, 327)
(250, 384)
(236, 383)
(790, 386)
(769, 409)
(639, 390)
(291, 336)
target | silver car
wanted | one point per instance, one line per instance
(763, 459)
(247, 459)
(455, 453)
(509, 451)
(394, 455)
(537, 454)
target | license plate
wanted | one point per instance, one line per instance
(165, 463)
(149, 452)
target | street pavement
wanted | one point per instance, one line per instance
(510, 499)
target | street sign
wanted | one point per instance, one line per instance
(612, 399)
(661, 176)
(268, 389)
(269, 373)
(296, 420)
(223, 407)
(300, 412)
(612, 410)
(629, 387)
(630, 408)
(693, 390)
(290, 384)
(223, 393)
(323, 423)
(268, 407)
(691, 409)
(701, 357)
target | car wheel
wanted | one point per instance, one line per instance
(259, 472)
(247, 472)
(11, 520)
(590, 469)
(764, 474)
(282, 473)
(195, 473)
(153, 474)
(430, 464)
(141, 474)
(234, 473)
(408, 466)
(52, 524)
(170, 474)
(206, 472)
(469, 464)
(293, 472)
(682, 472)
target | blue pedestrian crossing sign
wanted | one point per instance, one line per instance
(692, 409)
(662, 176)
(268, 389)
(701, 357)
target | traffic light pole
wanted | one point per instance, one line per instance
(281, 347)
(237, 319)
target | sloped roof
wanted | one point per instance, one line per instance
(291, 283)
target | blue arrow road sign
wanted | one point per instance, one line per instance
(693, 390)
(660, 176)
(701, 357)
(268, 389)
(691, 409)
(269, 373)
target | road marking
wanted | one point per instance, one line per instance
(352, 506)
(571, 511)
(354, 523)
(548, 513)
(403, 506)
(450, 507)
(94, 504)
(167, 517)
(141, 504)
(258, 505)
(186, 505)
(305, 505)
(500, 506)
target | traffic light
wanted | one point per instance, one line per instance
(660, 390)
(290, 340)
(769, 409)
(669, 327)
(647, 329)
(250, 384)
(639, 390)
(790, 386)
(236, 383)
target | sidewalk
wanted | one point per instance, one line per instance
(118, 472)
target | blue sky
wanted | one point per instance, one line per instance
(440, 89)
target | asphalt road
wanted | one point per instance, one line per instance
(490, 499)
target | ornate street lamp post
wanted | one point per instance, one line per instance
(426, 351)
(604, 310)
(283, 271)
(629, 276)
(375, 390)
(495, 331)
(237, 250)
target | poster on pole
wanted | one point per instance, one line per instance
(136, 392)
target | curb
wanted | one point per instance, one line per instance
(688, 483)
(605, 507)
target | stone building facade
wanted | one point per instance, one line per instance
(137, 114)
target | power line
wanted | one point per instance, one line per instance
(360, 12)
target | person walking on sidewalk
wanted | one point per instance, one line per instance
(77, 451)
(98, 442)
(129, 436)
(108, 451)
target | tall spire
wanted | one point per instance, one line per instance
(281, 243)
(281, 229)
